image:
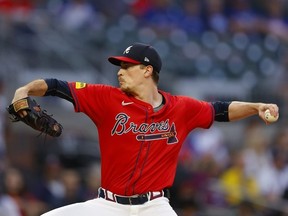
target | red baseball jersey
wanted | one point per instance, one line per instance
(139, 147)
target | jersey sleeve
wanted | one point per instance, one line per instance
(90, 99)
(199, 114)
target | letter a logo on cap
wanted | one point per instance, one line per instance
(127, 50)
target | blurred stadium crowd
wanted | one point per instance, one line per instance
(226, 49)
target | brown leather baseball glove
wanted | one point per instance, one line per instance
(29, 112)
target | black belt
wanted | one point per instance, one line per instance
(132, 200)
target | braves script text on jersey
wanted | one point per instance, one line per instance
(139, 147)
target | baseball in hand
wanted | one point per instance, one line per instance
(270, 118)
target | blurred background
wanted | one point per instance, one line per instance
(211, 50)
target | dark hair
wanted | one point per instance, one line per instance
(155, 76)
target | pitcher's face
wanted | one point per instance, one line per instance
(130, 76)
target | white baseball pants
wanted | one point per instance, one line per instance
(102, 207)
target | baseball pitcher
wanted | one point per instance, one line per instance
(141, 130)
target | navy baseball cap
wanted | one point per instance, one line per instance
(138, 53)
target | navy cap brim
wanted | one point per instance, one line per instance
(116, 60)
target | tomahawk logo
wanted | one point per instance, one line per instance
(169, 135)
(127, 50)
(144, 131)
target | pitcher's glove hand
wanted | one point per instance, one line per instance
(29, 112)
